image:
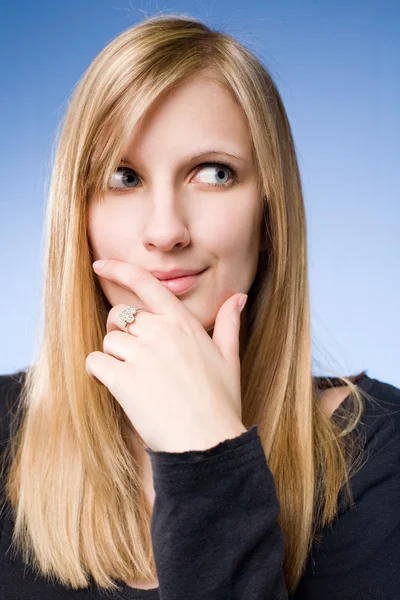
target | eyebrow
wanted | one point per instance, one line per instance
(203, 153)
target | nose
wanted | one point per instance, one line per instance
(165, 226)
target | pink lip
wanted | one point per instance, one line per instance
(179, 285)
(175, 273)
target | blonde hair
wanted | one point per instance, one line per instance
(75, 489)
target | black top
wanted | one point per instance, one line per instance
(214, 523)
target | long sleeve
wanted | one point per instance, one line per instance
(214, 525)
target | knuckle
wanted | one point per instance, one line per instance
(90, 359)
(175, 322)
(152, 331)
(169, 322)
(108, 338)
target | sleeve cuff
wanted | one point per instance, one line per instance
(180, 470)
(192, 456)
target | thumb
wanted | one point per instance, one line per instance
(227, 328)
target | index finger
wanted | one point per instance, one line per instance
(157, 298)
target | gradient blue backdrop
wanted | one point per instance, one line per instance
(336, 65)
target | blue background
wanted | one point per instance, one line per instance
(336, 65)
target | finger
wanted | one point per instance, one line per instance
(105, 368)
(227, 331)
(155, 296)
(140, 322)
(121, 346)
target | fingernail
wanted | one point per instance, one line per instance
(242, 302)
(98, 264)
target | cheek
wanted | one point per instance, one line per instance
(233, 238)
(107, 238)
(233, 233)
(107, 232)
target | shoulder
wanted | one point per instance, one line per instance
(11, 383)
(356, 555)
(10, 388)
(381, 405)
(381, 415)
(376, 473)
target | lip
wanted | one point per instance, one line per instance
(175, 273)
(179, 285)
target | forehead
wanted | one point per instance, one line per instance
(199, 112)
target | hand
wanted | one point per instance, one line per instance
(179, 388)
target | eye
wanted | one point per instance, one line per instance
(220, 168)
(122, 176)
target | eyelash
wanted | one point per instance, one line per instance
(232, 170)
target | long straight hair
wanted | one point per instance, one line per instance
(75, 488)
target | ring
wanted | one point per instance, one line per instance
(127, 315)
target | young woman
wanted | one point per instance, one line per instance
(165, 445)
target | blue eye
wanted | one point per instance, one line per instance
(220, 169)
(125, 176)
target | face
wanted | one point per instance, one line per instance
(179, 206)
